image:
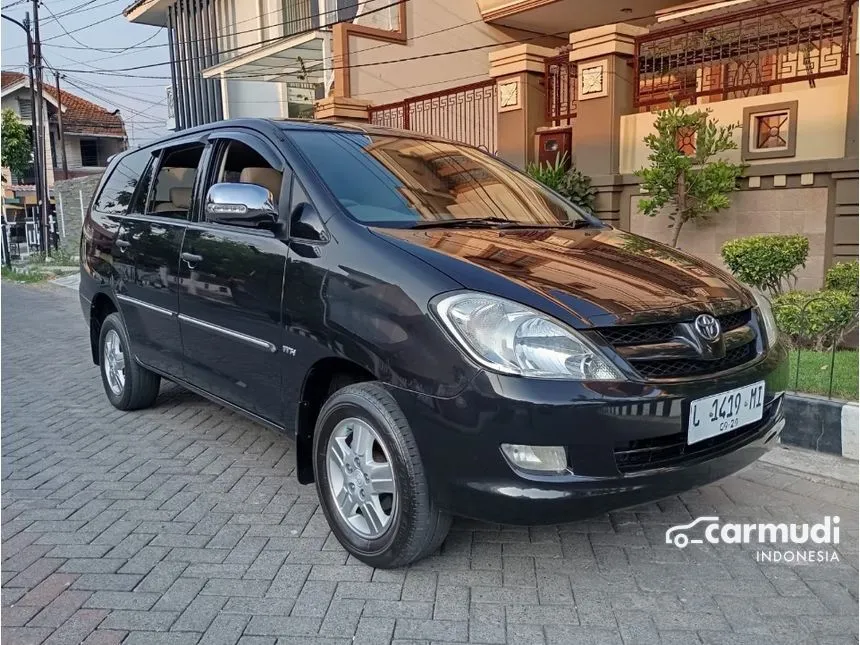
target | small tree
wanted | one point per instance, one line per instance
(17, 147)
(692, 185)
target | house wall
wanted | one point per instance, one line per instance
(821, 124)
(254, 99)
(10, 101)
(801, 210)
(454, 25)
(109, 145)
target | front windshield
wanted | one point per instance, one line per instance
(403, 182)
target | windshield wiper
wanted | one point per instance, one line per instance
(477, 222)
(579, 223)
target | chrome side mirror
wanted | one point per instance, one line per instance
(247, 205)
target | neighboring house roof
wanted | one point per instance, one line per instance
(80, 116)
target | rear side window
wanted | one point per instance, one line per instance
(174, 182)
(120, 186)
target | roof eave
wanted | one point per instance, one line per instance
(148, 12)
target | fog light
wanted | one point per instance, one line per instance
(542, 458)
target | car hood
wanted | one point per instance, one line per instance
(590, 277)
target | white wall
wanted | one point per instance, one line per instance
(10, 101)
(459, 25)
(821, 124)
(254, 99)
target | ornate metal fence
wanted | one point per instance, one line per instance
(466, 114)
(560, 83)
(744, 53)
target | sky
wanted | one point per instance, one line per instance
(142, 101)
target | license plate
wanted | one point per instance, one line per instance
(713, 415)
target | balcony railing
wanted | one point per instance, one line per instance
(560, 79)
(743, 54)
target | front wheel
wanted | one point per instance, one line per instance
(128, 385)
(371, 481)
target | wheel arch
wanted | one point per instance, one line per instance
(101, 307)
(322, 379)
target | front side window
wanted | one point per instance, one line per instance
(118, 190)
(174, 182)
(401, 182)
(241, 164)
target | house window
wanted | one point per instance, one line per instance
(685, 139)
(89, 152)
(25, 107)
(769, 131)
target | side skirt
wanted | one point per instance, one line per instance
(220, 401)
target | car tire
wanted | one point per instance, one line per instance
(128, 385)
(409, 525)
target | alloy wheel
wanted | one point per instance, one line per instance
(114, 362)
(361, 477)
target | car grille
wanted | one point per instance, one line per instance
(641, 336)
(678, 368)
(662, 332)
(672, 450)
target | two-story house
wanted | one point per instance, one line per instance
(92, 134)
(528, 79)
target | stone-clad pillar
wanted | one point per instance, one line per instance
(521, 100)
(603, 56)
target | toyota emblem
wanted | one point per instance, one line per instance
(708, 327)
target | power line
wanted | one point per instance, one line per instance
(254, 44)
(81, 8)
(45, 6)
(225, 29)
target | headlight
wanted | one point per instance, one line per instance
(771, 331)
(509, 337)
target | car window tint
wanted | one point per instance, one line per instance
(174, 182)
(119, 188)
(139, 203)
(241, 164)
(399, 181)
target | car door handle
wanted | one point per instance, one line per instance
(191, 258)
(123, 244)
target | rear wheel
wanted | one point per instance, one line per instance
(371, 481)
(128, 385)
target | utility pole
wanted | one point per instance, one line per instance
(60, 126)
(43, 197)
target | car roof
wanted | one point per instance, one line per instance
(296, 125)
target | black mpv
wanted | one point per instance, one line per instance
(441, 334)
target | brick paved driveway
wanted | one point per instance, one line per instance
(183, 524)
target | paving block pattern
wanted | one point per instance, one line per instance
(183, 524)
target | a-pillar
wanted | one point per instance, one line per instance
(521, 100)
(604, 92)
(340, 108)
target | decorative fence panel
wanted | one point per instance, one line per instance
(560, 83)
(466, 114)
(744, 53)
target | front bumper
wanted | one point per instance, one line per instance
(626, 441)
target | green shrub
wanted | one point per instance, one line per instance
(843, 276)
(550, 175)
(576, 186)
(766, 262)
(815, 319)
(571, 183)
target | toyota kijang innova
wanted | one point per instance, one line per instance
(439, 333)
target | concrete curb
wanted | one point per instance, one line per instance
(823, 425)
